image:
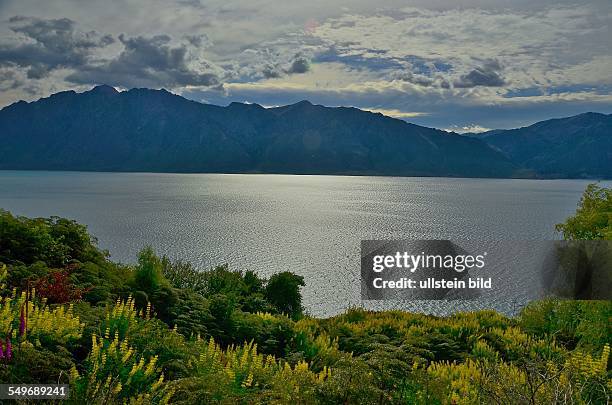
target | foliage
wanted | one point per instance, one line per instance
(532, 380)
(57, 287)
(593, 218)
(239, 371)
(182, 275)
(148, 274)
(34, 338)
(161, 331)
(53, 240)
(573, 324)
(114, 371)
(25, 319)
(283, 291)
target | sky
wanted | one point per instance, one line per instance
(463, 65)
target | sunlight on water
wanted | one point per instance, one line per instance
(311, 225)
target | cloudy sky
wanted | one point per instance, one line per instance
(462, 64)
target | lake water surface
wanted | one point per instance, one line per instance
(311, 225)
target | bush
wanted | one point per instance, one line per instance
(37, 365)
(573, 324)
(271, 333)
(57, 288)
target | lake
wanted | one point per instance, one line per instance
(311, 225)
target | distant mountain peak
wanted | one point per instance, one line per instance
(103, 89)
(303, 103)
(236, 104)
(592, 113)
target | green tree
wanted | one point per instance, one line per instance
(283, 291)
(593, 218)
(148, 276)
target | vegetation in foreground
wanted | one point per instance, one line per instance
(161, 332)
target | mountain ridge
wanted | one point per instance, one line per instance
(576, 146)
(142, 129)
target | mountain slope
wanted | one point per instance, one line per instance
(573, 147)
(154, 130)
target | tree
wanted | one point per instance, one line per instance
(593, 218)
(283, 291)
(148, 275)
(586, 256)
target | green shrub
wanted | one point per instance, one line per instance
(583, 324)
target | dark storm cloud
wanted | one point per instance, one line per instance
(422, 80)
(486, 75)
(149, 61)
(299, 65)
(271, 72)
(43, 45)
(58, 35)
(274, 65)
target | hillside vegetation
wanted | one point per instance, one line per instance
(161, 332)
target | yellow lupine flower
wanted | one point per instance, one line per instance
(158, 383)
(248, 382)
(74, 373)
(127, 355)
(151, 366)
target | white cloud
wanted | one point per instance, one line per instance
(471, 128)
(535, 49)
(395, 113)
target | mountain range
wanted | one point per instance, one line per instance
(157, 131)
(572, 147)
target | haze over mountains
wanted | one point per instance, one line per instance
(154, 130)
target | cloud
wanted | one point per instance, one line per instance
(495, 63)
(471, 128)
(271, 71)
(299, 65)
(273, 60)
(9, 79)
(151, 62)
(422, 80)
(438, 48)
(58, 35)
(395, 113)
(413, 103)
(42, 45)
(486, 75)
